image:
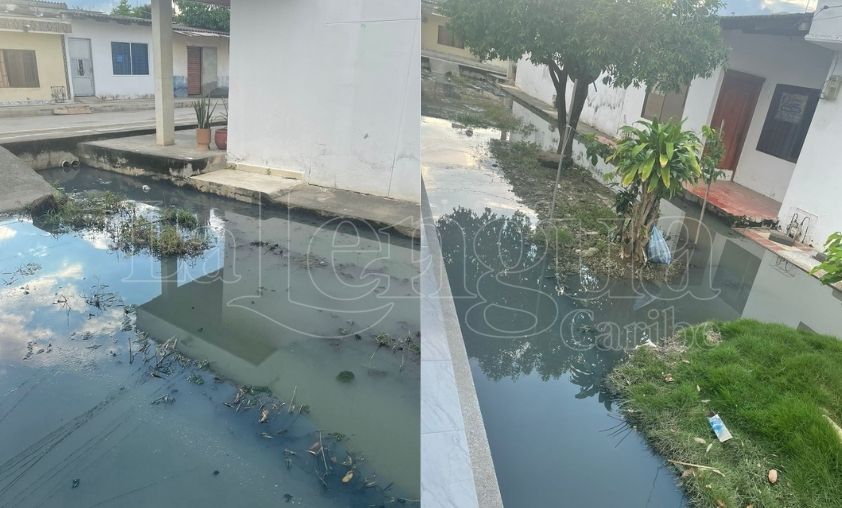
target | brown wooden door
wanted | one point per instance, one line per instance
(194, 70)
(733, 113)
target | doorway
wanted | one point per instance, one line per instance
(81, 67)
(194, 70)
(201, 70)
(734, 111)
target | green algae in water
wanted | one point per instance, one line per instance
(346, 376)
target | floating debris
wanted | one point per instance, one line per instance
(75, 483)
(163, 399)
(346, 376)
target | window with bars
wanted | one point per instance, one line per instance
(130, 58)
(18, 69)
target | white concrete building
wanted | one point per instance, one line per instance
(110, 57)
(781, 130)
(328, 91)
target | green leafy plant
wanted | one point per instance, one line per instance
(653, 161)
(829, 271)
(204, 108)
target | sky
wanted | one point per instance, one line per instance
(738, 7)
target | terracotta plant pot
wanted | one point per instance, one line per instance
(203, 139)
(220, 137)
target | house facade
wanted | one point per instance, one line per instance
(49, 54)
(110, 57)
(32, 53)
(771, 102)
(339, 105)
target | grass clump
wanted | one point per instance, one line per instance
(179, 217)
(174, 232)
(777, 389)
(84, 211)
(161, 239)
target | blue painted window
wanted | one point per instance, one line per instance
(130, 58)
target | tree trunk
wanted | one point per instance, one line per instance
(580, 95)
(559, 77)
(634, 237)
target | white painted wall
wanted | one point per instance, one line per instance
(107, 85)
(102, 34)
(780, 60)
(607, 108)
(330, 89)
(701, 100)
(816, 185)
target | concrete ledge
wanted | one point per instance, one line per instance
(456, 464)
(21, 184)
(402, 217)
(283, 173)
(139, 155)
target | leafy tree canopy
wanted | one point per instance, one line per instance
(652, 43)
(201, 15)
(664, 43)
(124, 8)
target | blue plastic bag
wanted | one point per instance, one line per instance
(658, 251)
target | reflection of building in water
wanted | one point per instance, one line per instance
(755, 283)
(272, 315)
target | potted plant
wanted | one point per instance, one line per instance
(220, 137)
(204, 109)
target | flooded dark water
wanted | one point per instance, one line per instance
(280, 302)
(540, 347)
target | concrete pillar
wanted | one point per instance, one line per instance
(162, 69)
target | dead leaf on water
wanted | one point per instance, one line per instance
(264, 415)
(348, 476)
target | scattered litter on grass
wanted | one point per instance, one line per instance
(719, 428)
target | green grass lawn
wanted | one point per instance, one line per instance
(774, 388)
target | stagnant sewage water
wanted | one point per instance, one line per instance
(540, 346)
(121, 375)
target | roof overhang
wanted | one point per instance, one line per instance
(770, 24)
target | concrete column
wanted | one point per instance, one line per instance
(162, 69)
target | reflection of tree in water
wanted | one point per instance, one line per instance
(514, 317)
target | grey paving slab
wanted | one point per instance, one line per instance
(20, 185)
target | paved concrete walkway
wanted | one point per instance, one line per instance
(61, 126)
(21, 185)
(401, 216)
(92, 103)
